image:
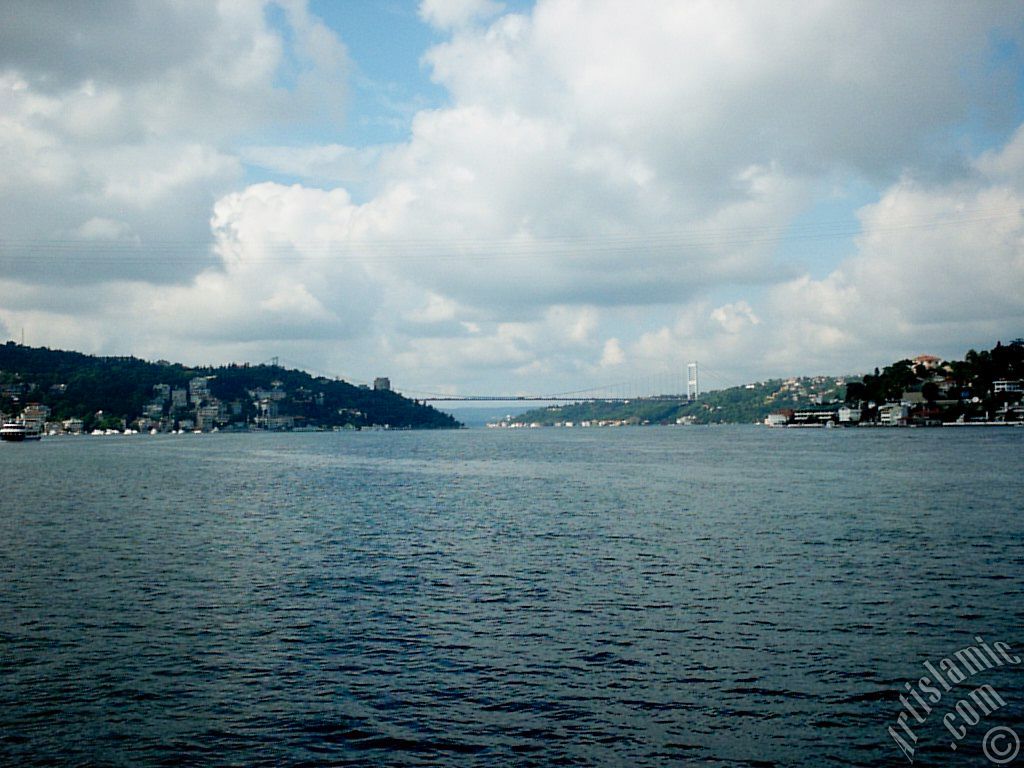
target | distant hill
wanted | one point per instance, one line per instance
(957, 389)
(745, 404)
(121, 389)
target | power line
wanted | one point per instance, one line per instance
(471, 248)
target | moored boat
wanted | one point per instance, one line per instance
(19, 430)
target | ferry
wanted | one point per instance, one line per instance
(19, 430)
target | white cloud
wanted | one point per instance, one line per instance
(735, 317)
(98, 228)
(938, 269)
(937, 265)
(608, 182)
(701, 90)
(453, 14)
(128, 112)
(612, 354)
(1006, 163)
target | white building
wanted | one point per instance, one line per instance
(276, 393)
(36, 411)
(267, 408)
(210, 415)
(199, 389)
(36, 414)
(145, 424)
(848, 415)
(73, 426)
(928, 362)
(893, 414)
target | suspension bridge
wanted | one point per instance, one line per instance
(428, 398)
(671, 387)
(649, 388)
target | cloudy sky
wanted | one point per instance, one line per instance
(475, 196)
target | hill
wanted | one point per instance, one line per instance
(983, 386)
(119, 391)
(745, 404)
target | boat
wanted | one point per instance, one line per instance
(19, 430)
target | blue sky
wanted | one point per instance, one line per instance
(473, 196)
(386, 41)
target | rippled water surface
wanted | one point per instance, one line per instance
(715, 596)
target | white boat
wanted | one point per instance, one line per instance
(19, 430)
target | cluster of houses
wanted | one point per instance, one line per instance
(825, 416)
(196, 409)
(511, 423)
(181, 409)
(185, 409)
(170, 409)
(952, 406)
(817, 390)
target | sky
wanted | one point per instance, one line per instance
(478, 197)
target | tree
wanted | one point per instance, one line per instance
(856, 392)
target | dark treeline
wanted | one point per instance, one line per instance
(960, 380)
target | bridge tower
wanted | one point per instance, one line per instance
(692, 381)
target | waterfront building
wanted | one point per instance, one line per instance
(847, 415)
(209, 415)
(279, 422)
(145, 424)
(36, 413)
(812, 417)
(893, 414)
(73, 426)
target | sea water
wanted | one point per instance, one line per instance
(637, 596)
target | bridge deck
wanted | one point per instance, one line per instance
(551, 399)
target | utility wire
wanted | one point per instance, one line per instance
(470, 248)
